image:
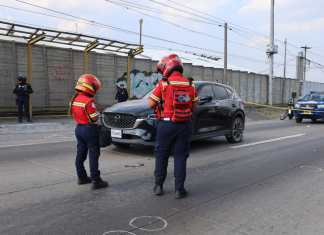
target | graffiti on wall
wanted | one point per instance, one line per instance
(60, 72)
(141, 82)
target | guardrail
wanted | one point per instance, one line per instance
(265, 106)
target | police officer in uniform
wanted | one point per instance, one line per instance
(176, 97)
(84, 113)
(22, 92)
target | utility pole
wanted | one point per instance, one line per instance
(284, 75)
(141, 29)
(305, 59)
(225, 51)
(285, 60)
(272, 49)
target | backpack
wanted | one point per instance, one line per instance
(181, 101)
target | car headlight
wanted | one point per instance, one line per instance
(297, 106)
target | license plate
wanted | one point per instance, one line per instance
(307, 112)
(116, 133)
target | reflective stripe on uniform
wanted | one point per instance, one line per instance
(155, 98)
(93, 115)
(179, 83)
(78, 104)
(87, 85)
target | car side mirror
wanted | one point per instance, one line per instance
(205, 99)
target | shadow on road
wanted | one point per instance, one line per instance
(148, 151)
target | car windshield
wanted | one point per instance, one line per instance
(313, 97)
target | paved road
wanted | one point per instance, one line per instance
(273, 183)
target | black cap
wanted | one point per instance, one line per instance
(21, 78)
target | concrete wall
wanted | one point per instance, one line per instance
(56, 70)
(312, 86)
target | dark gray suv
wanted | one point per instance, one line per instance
(219, 112)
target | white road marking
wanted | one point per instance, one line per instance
(268, 141)
(156, 218)
(118, 232)
(37, 143)
(315, 168)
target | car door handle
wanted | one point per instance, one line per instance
(234, 105)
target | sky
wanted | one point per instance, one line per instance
(195, 25)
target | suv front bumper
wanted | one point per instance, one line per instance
(143, 133)
(309, 113)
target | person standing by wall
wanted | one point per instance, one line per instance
(84, 113)
(22, 92)
(175, 96)
(121, 94)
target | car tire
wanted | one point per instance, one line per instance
(314, 120)
(236, 134)
(299, 120)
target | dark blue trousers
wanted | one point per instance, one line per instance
(88, 142)
(172, 138)
(23, 108)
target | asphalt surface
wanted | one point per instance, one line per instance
(272, 183)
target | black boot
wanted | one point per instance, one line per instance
(181, 194)
(99, 183)
(158, 190)
(86, 180)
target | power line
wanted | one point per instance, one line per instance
(236, 56)
(193, 53)
(201, 12)
(93, 22)
(234, 26)
(166, 21)
(137, 6)
(34, 12)
(238, 27)
(98, 24)
(191, 12)
(211, 18)
(184, 28)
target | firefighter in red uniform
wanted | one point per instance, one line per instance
(173, 99)
(84, 113)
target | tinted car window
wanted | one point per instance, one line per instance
(313, 97)
(220, 93)
(206, 91)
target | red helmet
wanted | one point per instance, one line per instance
(89, 84)
(167, 65)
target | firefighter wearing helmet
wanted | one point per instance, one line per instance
(173, 99)
(84, 113)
